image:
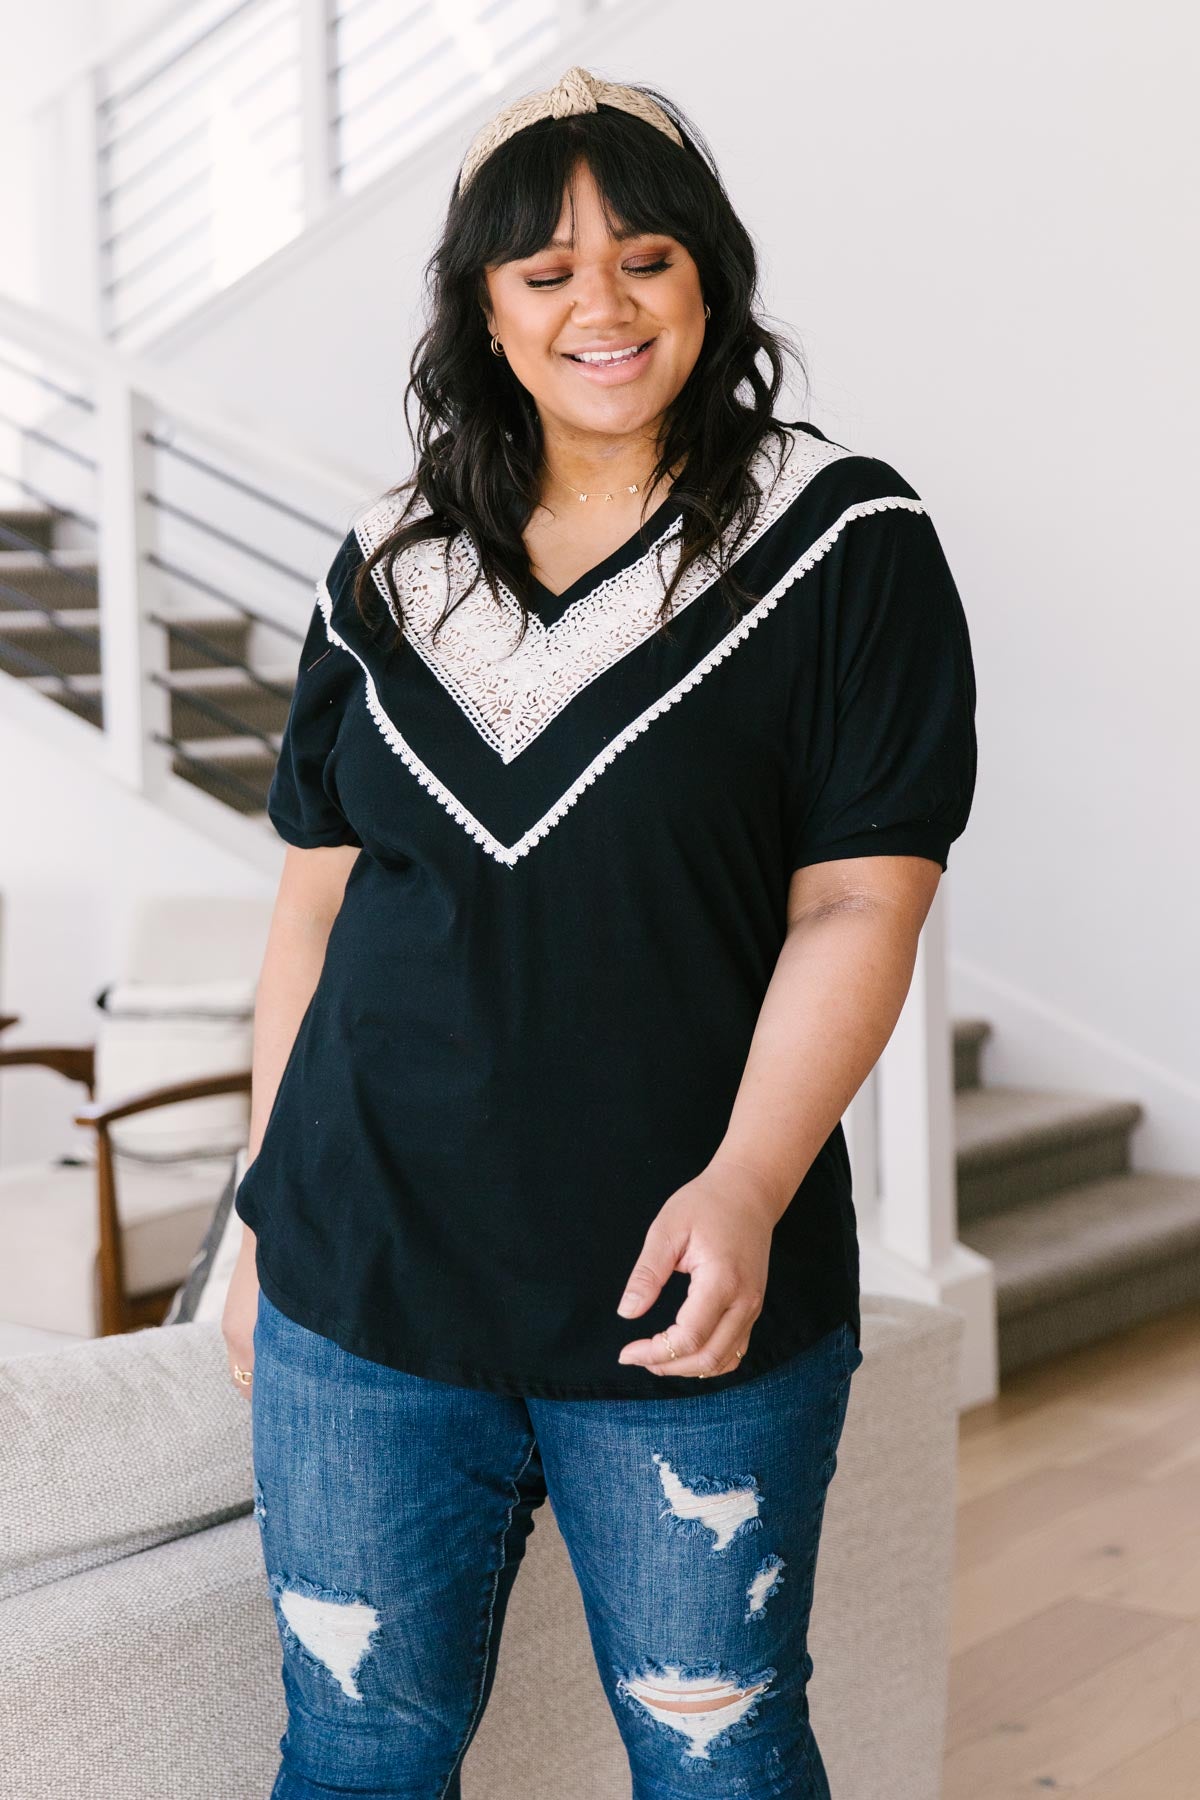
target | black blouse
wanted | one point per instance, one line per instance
(539, 992)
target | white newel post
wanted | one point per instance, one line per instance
(912, 1245)
(131, 649)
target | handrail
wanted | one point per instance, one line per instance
(175, 527)
(60, 341)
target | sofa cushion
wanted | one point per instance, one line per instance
(110, 1446)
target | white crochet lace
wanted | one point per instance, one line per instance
(511, 692)
(510, 854)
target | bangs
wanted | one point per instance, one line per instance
(646, 184)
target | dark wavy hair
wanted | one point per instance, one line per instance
(478, 438)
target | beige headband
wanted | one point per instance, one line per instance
(578, 91)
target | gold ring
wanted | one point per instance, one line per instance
(242, 1376)
(739, 1354)
(670, 1346)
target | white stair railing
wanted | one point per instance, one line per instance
(156, 565)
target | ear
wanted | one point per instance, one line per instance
(484, 296)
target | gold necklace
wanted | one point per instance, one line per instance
(631, 488)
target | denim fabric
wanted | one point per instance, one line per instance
(394, 1511)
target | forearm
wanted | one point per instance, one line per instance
(834, 997)
(290, 971)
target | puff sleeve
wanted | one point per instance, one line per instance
(889, 749)
(302, 802)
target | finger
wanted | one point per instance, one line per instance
(709, 1294)
(645, 1284)
(716, 1354)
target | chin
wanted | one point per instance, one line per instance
(618, 412)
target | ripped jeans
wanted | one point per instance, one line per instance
(394, 1511)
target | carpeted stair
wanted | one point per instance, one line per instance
(1082, 1244)
(50, 639)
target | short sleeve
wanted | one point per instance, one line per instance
(302, 802)
(891, 769)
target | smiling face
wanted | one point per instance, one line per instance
(589, 291)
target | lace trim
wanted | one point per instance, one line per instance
(511, 692)
(511, 854)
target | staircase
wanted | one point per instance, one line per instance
(225, 717)
(1082, 1245)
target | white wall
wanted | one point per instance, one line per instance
(44, 48)
(983, 227)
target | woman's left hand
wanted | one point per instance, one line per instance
(717, 1229)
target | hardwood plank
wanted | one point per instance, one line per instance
(987, 1525)
(1069, 1553)
(1165, 1580)
(1167, 1770)
(1082, 1732)
(1003, 1679)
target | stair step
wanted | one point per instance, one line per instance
(35, 522)
(1090, 1260)
(69, 581)
(232, 749)
(38, 636)
(1013, 1145)
(249, 761)
(970, 1036)
(235, 693)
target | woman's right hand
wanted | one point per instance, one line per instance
(241, 1312)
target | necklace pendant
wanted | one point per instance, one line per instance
(583, 496)
(632, 488)
(608, 496)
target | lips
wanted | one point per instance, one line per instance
(613, 361)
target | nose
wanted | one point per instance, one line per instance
(602, 297)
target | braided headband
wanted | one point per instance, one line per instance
(578, 91)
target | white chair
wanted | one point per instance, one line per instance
(98, 1243)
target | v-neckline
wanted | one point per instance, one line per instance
(551, 606)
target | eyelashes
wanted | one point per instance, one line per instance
(645, 269)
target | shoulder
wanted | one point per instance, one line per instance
(853, 476)
(376, 522)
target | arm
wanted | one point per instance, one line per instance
(837, 990)
(306, 904)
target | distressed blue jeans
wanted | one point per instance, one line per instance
(394, 1512)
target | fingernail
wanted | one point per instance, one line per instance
(627, 1303)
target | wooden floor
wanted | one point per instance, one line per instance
(1076, 1637)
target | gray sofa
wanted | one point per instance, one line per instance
(138, 1652)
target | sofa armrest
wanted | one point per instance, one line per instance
(116, 1444)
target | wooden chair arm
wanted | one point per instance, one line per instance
(116, 1310)
(76, 1061)
(200, 1088)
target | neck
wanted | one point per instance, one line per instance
(598, 463)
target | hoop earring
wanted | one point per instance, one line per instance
(707, 310)
(497, 347)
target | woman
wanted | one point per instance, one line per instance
(628, 743)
